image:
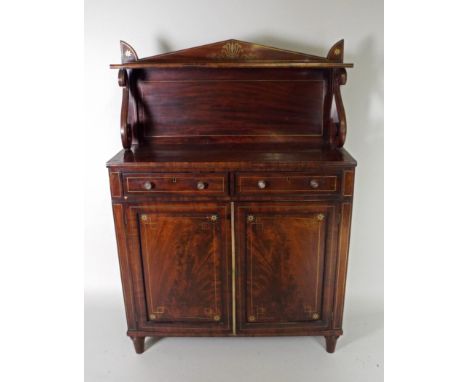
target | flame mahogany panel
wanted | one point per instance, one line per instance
(181, 258)
(179, 254)
(284, 257)
(225, 105)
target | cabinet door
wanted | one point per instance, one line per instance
(181, 256)
(284, 260)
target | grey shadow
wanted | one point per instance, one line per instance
(163, 45)
(281, 43)
(151, 341)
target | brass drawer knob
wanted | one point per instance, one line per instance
(201, 185)
(314, 184)
(147, 185)
(261, 184)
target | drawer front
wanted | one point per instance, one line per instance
(176, 183)
(286, 183)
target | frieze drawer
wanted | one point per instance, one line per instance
(175, 183)
(286, 183)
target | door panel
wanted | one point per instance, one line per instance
(283, 264)
(181, 263)
(183, 255)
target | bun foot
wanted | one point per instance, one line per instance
(331, 343)
(139, 344)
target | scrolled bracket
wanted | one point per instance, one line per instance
(339, 119)
(125, 128)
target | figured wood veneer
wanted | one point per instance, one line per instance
(232, 197)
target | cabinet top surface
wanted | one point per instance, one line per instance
(231, 157)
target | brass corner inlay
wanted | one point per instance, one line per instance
(214, 218)
(152, 317)
(216, 318)
(252, 318)
(320, 217)
(310, 312)
(144, 217)
(250, 218)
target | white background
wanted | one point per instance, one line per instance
(153, 27)
(42, 214)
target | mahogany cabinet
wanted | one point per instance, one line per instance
(232, 195)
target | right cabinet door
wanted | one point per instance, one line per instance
(285, 266)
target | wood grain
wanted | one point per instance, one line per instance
(232, 198)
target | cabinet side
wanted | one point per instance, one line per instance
(343, 248)
(125, 274)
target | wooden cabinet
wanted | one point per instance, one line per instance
(232, 197)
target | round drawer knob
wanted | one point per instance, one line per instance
(201, 185)
(261, 184)
(147, 185)
(314, 184)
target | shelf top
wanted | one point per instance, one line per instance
(232, 54)
(231, 157)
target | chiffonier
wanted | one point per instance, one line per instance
(232, 195)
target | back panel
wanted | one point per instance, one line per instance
(258, 105)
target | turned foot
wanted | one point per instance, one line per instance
(331, 343)
(139, 343)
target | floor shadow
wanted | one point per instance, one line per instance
(363, 320)
(151, 341)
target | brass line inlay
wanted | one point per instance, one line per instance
(214, 275)
(318, 260)
(316, 219)
(233, 275)
(158, 311)
(343, 250)
(251, 271)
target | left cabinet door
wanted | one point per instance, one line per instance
(180, 256)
